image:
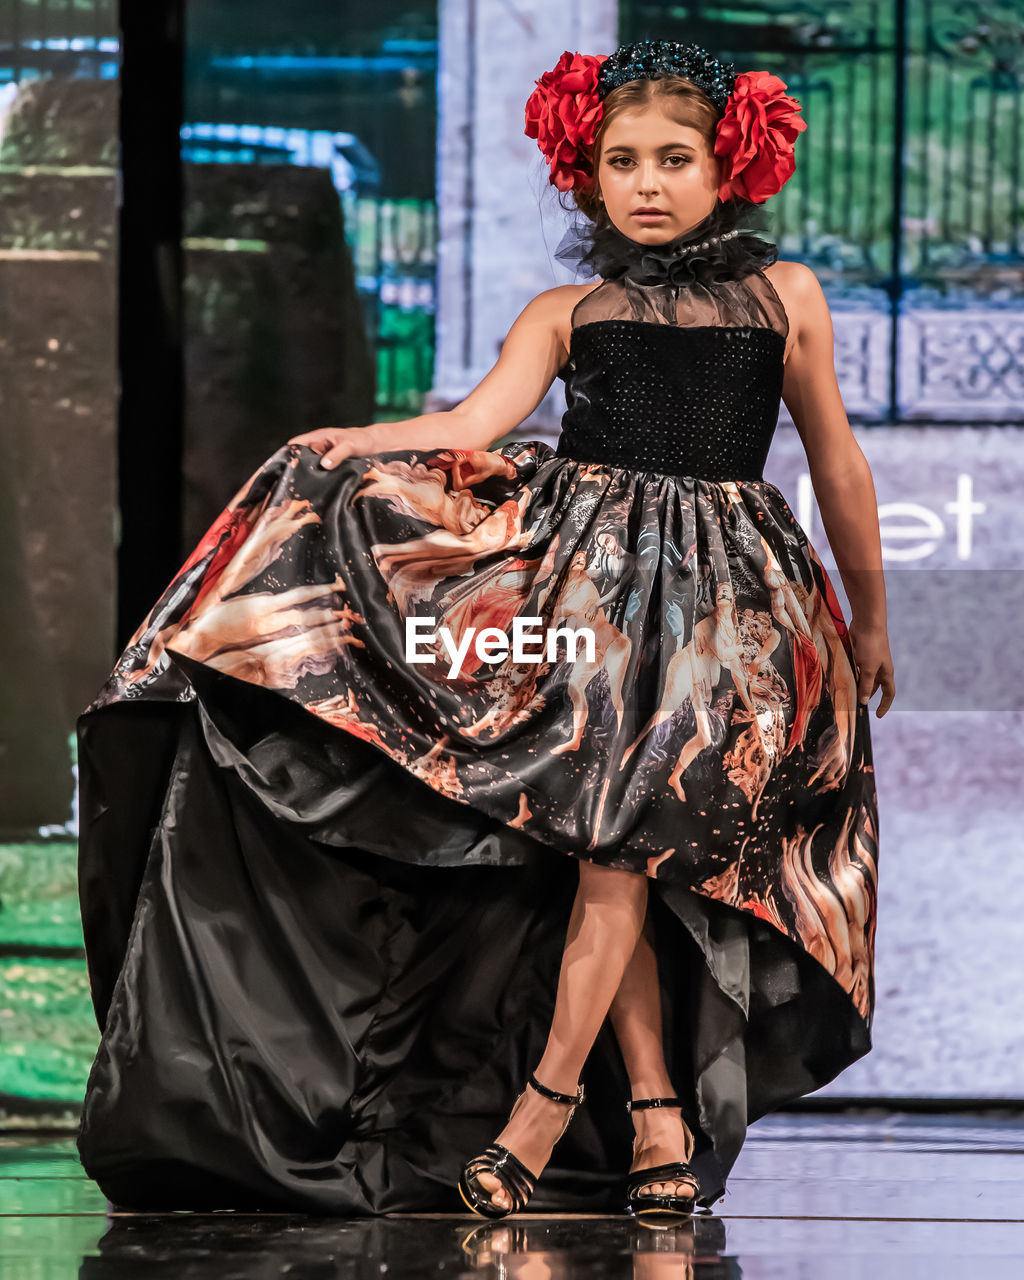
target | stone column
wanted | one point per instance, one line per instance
(499, 220)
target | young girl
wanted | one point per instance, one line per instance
(350, 880)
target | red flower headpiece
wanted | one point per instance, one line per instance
(563, 114)
(755, 135)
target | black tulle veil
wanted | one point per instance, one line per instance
(599, 248)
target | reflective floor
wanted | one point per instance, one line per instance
(877, 1196)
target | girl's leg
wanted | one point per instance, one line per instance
(606, 919)
(635, 1014)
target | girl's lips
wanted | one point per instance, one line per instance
(649, 217)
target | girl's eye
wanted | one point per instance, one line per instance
(626, 160)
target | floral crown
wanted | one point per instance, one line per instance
(755, 134)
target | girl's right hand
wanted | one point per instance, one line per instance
(336, 443)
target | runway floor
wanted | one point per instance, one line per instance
(875, 1195)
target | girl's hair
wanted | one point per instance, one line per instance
(678, 97)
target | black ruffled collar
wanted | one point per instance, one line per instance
(603, 250)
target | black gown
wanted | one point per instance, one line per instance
(325, 890)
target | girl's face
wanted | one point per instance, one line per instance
(649, 161)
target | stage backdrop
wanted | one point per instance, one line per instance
(363, 219)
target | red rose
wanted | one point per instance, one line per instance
(756, 134)
(563, 114)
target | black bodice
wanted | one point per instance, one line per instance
(681, 379)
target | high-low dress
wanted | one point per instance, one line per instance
(325, 888)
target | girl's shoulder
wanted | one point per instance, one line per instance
(797, 288)
(559, 304)
(563, 297)
(792, 281)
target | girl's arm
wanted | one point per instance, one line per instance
(841, 477)
(530, 356)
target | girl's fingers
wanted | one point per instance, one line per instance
(333, 444)
(333, 456)
(888, 695)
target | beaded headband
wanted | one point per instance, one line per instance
(650, 59)
(754, 136)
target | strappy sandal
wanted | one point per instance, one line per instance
(510, 1171)
(655, 1205)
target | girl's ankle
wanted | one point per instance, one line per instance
(652, 1088)
(559, 1081)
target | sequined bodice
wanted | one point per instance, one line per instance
(678, 379)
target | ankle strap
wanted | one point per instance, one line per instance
(554, 1095)
(638, 1104)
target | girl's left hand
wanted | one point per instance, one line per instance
(873, 663)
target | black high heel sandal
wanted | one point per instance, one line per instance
(653, 1205)
(510, 1171)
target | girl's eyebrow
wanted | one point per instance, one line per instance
(669, 146)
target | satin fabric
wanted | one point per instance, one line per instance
(333, 1027)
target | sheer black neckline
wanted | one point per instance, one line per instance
(603, 250)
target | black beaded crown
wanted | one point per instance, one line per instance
(651, 59)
